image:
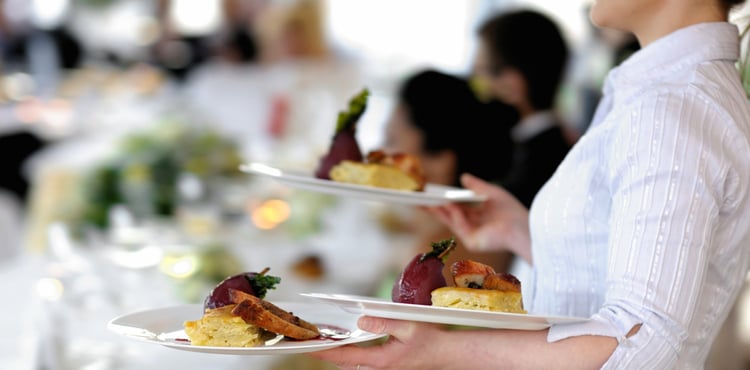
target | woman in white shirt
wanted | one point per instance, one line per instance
(644, 228)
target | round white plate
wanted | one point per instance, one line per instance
(378, 307)
(163, 326)
(432, 195)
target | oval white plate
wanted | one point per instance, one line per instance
(378, 307)
(163, 326)
(433, 194)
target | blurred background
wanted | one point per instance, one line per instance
(122, 126)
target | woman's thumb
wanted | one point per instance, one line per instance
(474, 183)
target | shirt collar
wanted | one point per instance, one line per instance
(533, 125)
(681, 49)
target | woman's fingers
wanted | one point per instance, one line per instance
(400, 332)
(479, 186)
(396, 328)
(476, 184)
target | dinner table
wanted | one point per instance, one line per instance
(59, 302)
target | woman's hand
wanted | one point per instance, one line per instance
(499, 223)
(411, 345)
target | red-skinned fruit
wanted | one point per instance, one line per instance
(254, 283)
(422, 275)
(343, 147)
(344, 144)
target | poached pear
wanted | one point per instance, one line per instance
(422, 275)
(344, 144)
(254, 283)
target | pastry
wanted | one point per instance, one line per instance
(478, 299)
(479, 287)
(397, 171)
(220, 327)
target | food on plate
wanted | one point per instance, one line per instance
(255, 283)
(502, 281)
(470, 273)
(422, 275)
(476, 285)
(479, 287)
(398, 171)
(268, 316)
(478, 299)
(344, 144)
(236, 315)
(344, 161)
(221, 328)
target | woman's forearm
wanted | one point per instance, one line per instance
(485, 349)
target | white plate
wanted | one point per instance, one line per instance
(164, 326)
(378, 307)
(432, 195)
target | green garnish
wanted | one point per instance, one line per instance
(347, 119)
(440, 250)
(261, 283)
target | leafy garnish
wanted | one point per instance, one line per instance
(440, 250)
(347, 120)
(261, 283)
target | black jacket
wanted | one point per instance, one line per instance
(534, 161)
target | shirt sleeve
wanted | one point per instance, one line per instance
(668, 159)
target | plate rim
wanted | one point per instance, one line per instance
(143, 334)
(307, 181)
(442, 315)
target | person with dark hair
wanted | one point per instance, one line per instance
(643, 229)
(526, 73)
(438, 118)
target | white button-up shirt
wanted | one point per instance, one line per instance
(647, 220)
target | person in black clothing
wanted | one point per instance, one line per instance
(526, 73)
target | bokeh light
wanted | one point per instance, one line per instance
(270, 214)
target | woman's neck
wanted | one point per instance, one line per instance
(676, 16)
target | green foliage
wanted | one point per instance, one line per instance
(146, 165)
(101, 192)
